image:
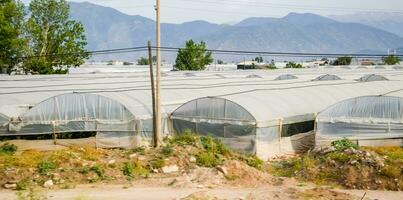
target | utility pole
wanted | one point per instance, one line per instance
(158, 84)
(150, 62)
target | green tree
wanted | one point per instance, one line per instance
(12, 45)
(193, 57)
(56, 42)
(220, 62)
(293, 65)
(344, 60)
(391, 60)
(258, 59)
(142, 61)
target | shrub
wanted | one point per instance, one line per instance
(8, 148)
(140, 150)
(214, 146)
(293, 65)
(343, 144)
(23, 184)
(45, 166)
(98, 170)
(207, 159)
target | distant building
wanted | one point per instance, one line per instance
(250, 65)
(367, 62)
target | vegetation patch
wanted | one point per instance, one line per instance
(347, 165)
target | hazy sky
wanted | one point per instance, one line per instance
(229, 11)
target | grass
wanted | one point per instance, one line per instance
(45, 167)
(8, 148)
(134, 170)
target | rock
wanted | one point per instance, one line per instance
(111, 162)
(353, 162)
(141, 158)
(155, 171)
(10, 186)
(56, 177)
(328, 150)
(133, 156)
(192, 159)
(170, 169)
(48, 184)
(222, 170)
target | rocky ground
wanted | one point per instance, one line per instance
(190, 167)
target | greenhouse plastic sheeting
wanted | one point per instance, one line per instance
(361, 118)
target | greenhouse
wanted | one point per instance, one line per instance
(261, 115)
(285, 77)
(372, 77)
(368, 120)
(327, 77)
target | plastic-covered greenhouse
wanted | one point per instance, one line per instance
(369, 120)
(258, 114)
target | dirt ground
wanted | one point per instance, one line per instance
(121, 192)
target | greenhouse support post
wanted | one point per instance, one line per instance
(54, 132)
(280, 129)
(150, 62)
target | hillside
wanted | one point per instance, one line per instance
(108, 28)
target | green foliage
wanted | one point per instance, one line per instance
(98, 170)
(214, 146)
(143, 61)
(12, 45)
(258, 59)
(186, 138)
(8, 148)
(157, 163)
(23, 184)
(56, 42)
(133, 170)
(270, 66)
(220, 62)
(193, 57)
(46, 166)
(344, 60)
(391, 60)
(253, 161)
(140, 150)
(343, 144)
(127, 63)
(207, 159)
(293, 65)
(31, 194)
(167, 150)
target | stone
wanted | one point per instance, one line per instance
(223, 170)
(170, 169)
(48, 184)
(10, 186)
(133, 155)
(192, 159)
(111, 162)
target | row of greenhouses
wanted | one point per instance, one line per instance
(258, 112)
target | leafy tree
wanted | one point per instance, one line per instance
(345, 60)
(391, 60)
(11, 29)
(258, 59)
(220, 62)
(193, 57)
(56, 42)
(142, 61)
(293, 65)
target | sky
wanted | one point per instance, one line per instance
(232, 11)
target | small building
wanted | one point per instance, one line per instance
(250, 65)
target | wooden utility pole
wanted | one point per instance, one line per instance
(158, 84)
(150, 62)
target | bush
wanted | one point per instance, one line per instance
(45, 166)
(391, 60)
(157, 163)
(207, 159)
(344, 60)
(214, 146)
(341, 145)
(8, 148)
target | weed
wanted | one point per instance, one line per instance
(214, 146)
(140, 150)
(8, 148)
(253, 161)
(207, 159)
(157, 163)
(45, 166)
(31, 194)
(23, 184)
(186, 138)
(98, 170)
(167, 150)
(343, 144)
(133, 170)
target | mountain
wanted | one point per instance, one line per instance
(391, 22)
(107, 28)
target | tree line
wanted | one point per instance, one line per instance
(40, 38)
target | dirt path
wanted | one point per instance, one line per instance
(169, 193)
